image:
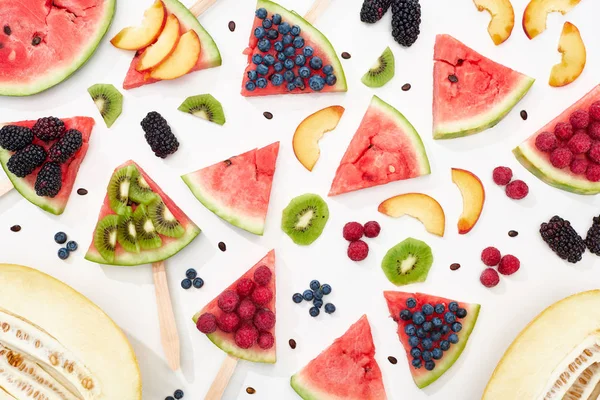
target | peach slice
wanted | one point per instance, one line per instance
(164, 46)
(503, 18)
(534, 17)
(417, 205)
(182, 60)
(473, 196)
(311, 130)
(138, 37)
(573, 60)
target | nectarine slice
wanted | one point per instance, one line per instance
(503, 18)
(417, 205)
(138, 37)
(164, 46)
(182, 60)
(573, 57)
(534, 17)
(473, 196)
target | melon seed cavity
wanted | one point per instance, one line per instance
(453, 78)
(460, 62)
(231, 26)
(406, 87)
(7, 30)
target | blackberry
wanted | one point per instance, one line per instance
(563, 239)
(592, 239)
(49, 180)
(373, 10)
(406, 19)
(15, 138)
(159, 135)
(66, 146)
(25, 161)
(48, 128)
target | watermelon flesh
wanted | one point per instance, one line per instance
(238, 189)
(346, 370)
(209, 55)
(69, 32)
(538, 162)
(313, 38)
(385, 148)
(226, 341)
(484, 93)
(397, 302)
(170, 246)
(26, 185)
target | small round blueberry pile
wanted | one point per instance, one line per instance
(283, 59)
(353, 232)
(315, 294)
(178, 394)
(71, 246)
(192, 279)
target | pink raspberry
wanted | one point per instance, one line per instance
(246, 310)
(262, 295)
(546, 142)
(595, 111)
(579, 166)
(489, 278)
(580, 143)
(561, 157)
(563, 130)
(264, 320)
(580, 119)
(266, 340)
(228, 322)
(372, 229)
(594, 152)
(502, 175)
(207, 323)
(245, 287)
(228, 300)
(353, 231)
(509, 265)
(263, 275)
(246, 336)
(358, 251)
(490, 256)
(594, 129)
(517, 190)
(593, 173)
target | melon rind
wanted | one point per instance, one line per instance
(301, 386)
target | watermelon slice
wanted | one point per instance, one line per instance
(308, 37)
(209, 56)
(44, 42)
(538, 162)
(167, 246)
(238, 189)
(226, 341)
(26, 186)
(398, 302)
(385, 148)
(346, 370)
(471, 93)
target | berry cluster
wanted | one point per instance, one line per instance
(516, 189)
(406, 20)
(178, 394)
(564, 240)
(373, 10)
(64, 252)
(507, 265)
(315, 294)
(158, 134)
(192, 279)
(353, 232)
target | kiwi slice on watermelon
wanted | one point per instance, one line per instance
(127, 233)
(139, 190)
(204, 106)
(164, 221)
(305, 218)
(105, 237)
(108, 100)
(148, 237)
(382, 71)
(118, 190)
(407, 262)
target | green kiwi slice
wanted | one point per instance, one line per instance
(407, 262)
(127, 233)
(164, 222)
(105, 237)
(118, 189)
(382, 71)
(139, 190)
(204, 106)
(108, 100)
(304, 219)
(147, 236)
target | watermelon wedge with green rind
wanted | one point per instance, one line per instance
(538, 162)
(170, 246)
(484, 91)
(210, 56)
(69, 31)
(226, 341)
(26, 186)
(238, 189)
(396, 302)
(385, 148)
(346, 370)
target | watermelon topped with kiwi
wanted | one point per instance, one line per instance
(138, 222)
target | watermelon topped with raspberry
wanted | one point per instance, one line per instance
(241, 320)
(433, 330)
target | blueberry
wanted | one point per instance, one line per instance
(437, 322)
(421, 333)
(444, 329)
(252, 75)
(410, 330)
(267, 23)
(405, 315)
(269, 60)
(297, 298)
(308, 51)
(284, 28)
(427, 326)
(281, 56)
(289, 51)
(278, 46)
(416, 363)
(429, 365)
(314, 285)
(295, 30)
(178, 394)
(261, 13)
(331, 80)
(169, 398)
(63, 253)
(427, 309)
(186, 283)
(329, 308)
(415, 352)
(277, 79)
(260, 32)
(308, 295)
(453, 306)
(299, 84)
(418, 317)
(314, 311)
(426, 355)
(318, 303)
(413, 341)
(316, 63)
(289, 77)
(257, 59)
(316, 83)
(300, 60)
(72, 245)
(456, 327)
(276, 19)
(288, 63)
(291, 86)
(435, 336)
(436, 353)
(191, 273)
(449, 317)
(461, 313)
(444, 345)
(287, 40)
(250, 86)
(439, 308)
(328, 70)
(298, 42)
(317, 293)
(304, 72)
(272, 34)
(278, 66)
(411, 302)
(326, 289)
(453, 338)
(427, 344)
(264, 45)
(60, 237)
(198, 283)
(262, 70)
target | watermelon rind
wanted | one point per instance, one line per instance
(301, 386)
(57, 76)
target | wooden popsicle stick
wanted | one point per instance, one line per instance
(169, 336)
(5, 186)
(200, 6)
(318, 8)
(216, 390)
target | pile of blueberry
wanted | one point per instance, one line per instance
(284, 58)
(432, 330)
(192, 279)
(64, 252)
(178, 394)
(315, 294)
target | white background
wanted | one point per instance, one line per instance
(127, 295)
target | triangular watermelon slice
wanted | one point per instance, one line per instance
(26, 186)
(140, 220)
(299, 46)
(346, 370)
(385, 148)
(471, 93)
(245, 289)
(209, 55)
(239, 188)
(437, 335)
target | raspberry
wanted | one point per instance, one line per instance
(491, 256)
(66, 146)
(262, 295)
(580, 119)
(207, 323)
(561, 157)
(353, 231)
(228, 322)
(594, 152)
(264, 320)
(579, 166)
(372, 229)
(48, 128)
(509, 265)
(246, 336)
(246, 310)
(594, 129)
(489, 278)
(546, 142)
(517, 190)
(266, 340)
(262, 275)
(228, 300)
(595, 111)
(593, 173)
(245, 287)
(358, 251)
(503, 175)
(580, 143)
(15, 138)
(563, 130)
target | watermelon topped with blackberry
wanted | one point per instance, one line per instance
(433, 330)
(286, 54)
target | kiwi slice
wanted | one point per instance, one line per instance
(127, 233)
(118, 189)
(407, 262)
(108, 100)
(204, 106)
(105, 237)
(139, 190)
(147, 236)
(164, 222)
(382, 71)
(304, 218)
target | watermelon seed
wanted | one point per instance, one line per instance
(82, 192)
(222, 246)
(36, 40)
(15, 228)
(460, 62)
(346, 55)
(524, 115)
(268, 115)
(231, 26)
(7, 30)
(406, 87)
(392, 360)
(513, 233)
(227, 163)
(452, 78)
(1, 45)
(250, 390)
(454, 266)
(292, 343)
